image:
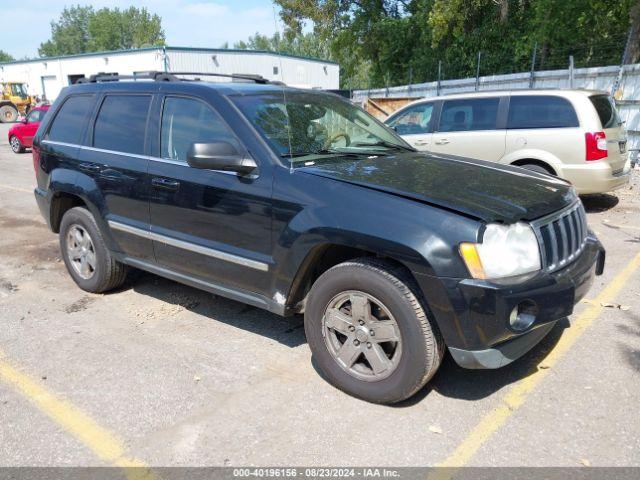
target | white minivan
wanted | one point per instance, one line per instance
(574, 134)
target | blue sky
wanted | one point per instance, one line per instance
(187, 23)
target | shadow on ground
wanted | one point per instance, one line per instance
(288, 331)
(631, 330)
(450, 381)
(455, 382)
(599, 202)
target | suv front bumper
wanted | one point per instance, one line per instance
(473, 315)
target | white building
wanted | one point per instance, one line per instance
(47, 76)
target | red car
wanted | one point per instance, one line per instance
(21, 135)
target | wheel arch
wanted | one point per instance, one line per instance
(534, 161)
(68, 189)
(543, 158)
(326, 255)
(62, 202)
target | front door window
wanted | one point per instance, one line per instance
(186, 121)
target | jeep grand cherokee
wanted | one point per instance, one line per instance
(296, 201)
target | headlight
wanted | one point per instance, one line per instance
(505, 251)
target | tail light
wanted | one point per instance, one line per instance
(596, 143)
(35, 151)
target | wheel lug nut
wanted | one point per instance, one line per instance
(361, 322)
(352, 328)
(368, 344)
(372, 333)
(356, 342)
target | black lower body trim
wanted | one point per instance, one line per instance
(502, 354)
(243, 296)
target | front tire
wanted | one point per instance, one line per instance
(16, 144)
(369, 333)
(85, 254)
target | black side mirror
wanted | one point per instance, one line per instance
(219, 156)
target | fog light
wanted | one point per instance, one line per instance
(523, 316)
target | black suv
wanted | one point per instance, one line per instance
(297, 201)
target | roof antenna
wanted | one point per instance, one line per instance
(284, 93)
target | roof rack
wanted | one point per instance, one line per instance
(172, 77)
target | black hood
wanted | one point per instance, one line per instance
(484, 190)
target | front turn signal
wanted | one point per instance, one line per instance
(469, 253)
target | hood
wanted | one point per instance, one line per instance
(487, 191)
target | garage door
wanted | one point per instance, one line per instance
(50, 87)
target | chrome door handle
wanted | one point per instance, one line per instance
(442, 141)
(422, 142)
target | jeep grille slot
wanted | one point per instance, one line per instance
(562, 236)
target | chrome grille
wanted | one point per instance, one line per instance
(562, 236)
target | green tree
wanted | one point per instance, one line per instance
(397, 41)
(82, 29)
(592, 30)
(5, 57)
(634, 40)
(373, 40)
(113, 29)
(70, 34)
(303, 44)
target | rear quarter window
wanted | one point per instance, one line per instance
(541, 111)
(70, 121)
(121, 123)
(606, 111)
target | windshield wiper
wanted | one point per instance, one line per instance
(384, 143)
(324, 151)
(327, 152)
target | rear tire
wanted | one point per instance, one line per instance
(536, 168)
(16, 144)
(8, 114)
(85, 254)
(384, 367)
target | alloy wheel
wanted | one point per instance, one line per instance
(15, 144)
(362, 336)
(81, 252)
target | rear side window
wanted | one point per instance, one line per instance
(469, 114)
(121, 123)
(186, 121)
(414, 120)
(68, 125)
(541, 111)
(606, 111)
(35, 116)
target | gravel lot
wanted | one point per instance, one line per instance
(174, 376)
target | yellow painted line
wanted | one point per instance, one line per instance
(104, 444)
(17, 189)
(518, 393)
